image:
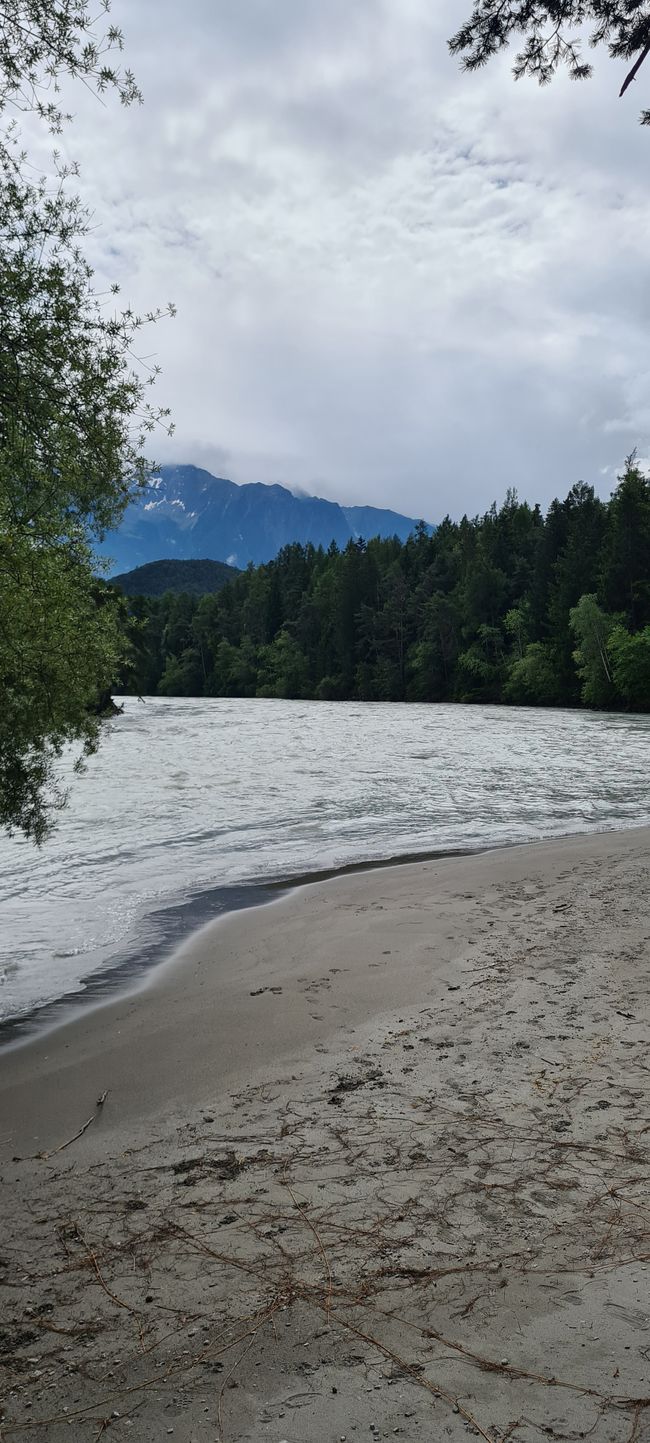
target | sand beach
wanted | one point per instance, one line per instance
(371, 1162)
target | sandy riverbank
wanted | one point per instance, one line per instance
(373, 1161)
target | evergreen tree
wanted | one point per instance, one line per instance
(550, 33)
(509, 607)
(625, 570)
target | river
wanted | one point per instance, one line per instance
(189, 798)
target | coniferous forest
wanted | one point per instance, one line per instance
(512, 607)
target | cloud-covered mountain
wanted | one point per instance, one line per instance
(186, 513)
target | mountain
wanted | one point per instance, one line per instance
(188, 514)
(367, 521)
(156, 577)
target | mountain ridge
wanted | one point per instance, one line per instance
(195, 577)
(186, 513)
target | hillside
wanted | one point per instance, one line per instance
(187, 513)
(509, 607)
(196, 578)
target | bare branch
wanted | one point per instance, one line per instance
(635, 70)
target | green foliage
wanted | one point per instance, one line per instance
(282, 668)
(592, 628)
(43, 40)
(502, 608)
(517, 624)
(625, 565)
(73, 423)
(59, 652)
(549, 33)
(196, 578)
(631, 666)
(532, 678)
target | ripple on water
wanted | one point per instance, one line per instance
(187, 794)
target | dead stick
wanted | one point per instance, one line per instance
(53, 1151)
(328, 1300)
(119, 1302)
(227, 1378)
(154, 1382)
(433, 1388)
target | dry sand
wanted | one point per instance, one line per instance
(373, 1162)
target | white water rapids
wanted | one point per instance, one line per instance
(190, 795)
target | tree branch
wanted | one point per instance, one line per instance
(635, 69)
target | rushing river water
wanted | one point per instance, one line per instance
(188, 798)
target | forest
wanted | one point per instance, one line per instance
(510, 607)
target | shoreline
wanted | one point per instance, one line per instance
(375, 1157)
(133, 966)
(188, 917)
(171, 992)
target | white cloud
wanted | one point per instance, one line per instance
(395, 284)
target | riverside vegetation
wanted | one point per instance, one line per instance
(513, 607)
(74, 412)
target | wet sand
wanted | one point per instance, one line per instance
(372, 1161)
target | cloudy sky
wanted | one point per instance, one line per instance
(395, 284)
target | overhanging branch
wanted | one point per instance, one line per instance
(632, 74)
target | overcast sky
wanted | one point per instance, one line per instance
(396, 284)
